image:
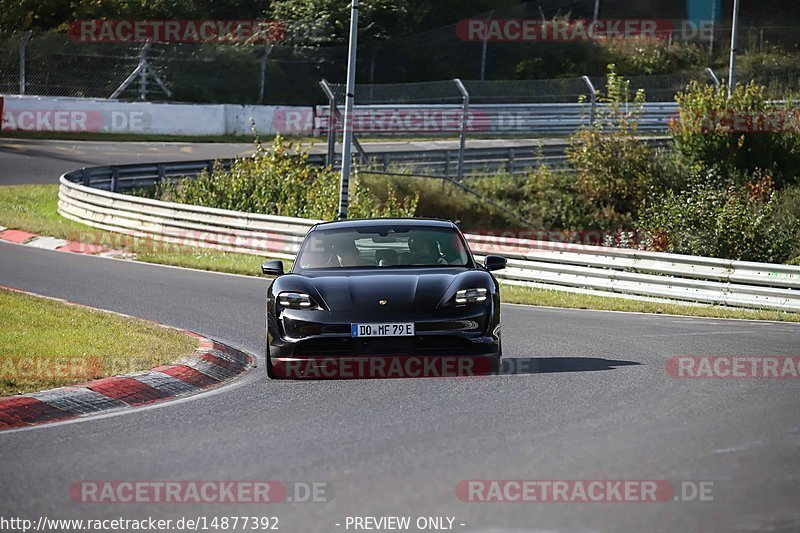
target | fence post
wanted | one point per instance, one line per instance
(23, 45)
(592, 96)
(485, 49)
(262, 72)
(331, 157)
(464, 125)
(713, 76)
(143, 71)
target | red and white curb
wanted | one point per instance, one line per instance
(212, 364)
(51, 243)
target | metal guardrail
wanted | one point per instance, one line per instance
(532, 263)
(489, 119)
(642, 273)
(518, 160)
(433, 163)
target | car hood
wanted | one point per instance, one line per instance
(402, 290)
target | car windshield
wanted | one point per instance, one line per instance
(383, 247)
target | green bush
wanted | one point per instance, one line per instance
(614, 170)
(746, 222)
(787, 215)
(647, 56)
(738, 136)
(441, 199)
(281, 181)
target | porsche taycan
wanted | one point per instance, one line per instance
(383, 298)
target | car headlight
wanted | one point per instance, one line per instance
(295, 300)
(465, 296)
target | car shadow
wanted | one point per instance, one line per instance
(547, 365)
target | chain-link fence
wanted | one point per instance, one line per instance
(10, 44)
(54, 65)
(662, 88)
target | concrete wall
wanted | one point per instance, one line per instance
(43, 113)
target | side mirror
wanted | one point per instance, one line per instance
(272, 268)
(495, 262)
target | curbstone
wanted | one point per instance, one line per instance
(212, 364)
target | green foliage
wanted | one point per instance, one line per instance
(549, 199)
(378, 19)
(330, 19)
(614, 170)
(647, 56)
(787, 215)
(441, 199)
(745, 222)
(281, 181)
(50, 14)
(740, 135)
(632, 57)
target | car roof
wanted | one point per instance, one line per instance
(383, 222)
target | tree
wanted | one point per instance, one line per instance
(328, 21)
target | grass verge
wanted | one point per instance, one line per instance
(34, 208)
(46, 344)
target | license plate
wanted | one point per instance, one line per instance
(405, 329)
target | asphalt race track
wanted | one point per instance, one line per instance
(43, 161)
(38, 161)
(590, 400)
(598, 405)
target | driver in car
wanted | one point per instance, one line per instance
(425, 252)
(346, 253)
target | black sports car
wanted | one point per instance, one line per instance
(383, 298)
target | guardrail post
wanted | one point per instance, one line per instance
(510, 162)
(464, 125)
(23, 46)
(114, 176)
(592, 96)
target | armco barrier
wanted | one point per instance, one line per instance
(568, 266)
(488, 119)
(517, 157)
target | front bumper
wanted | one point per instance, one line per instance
(458, 342)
